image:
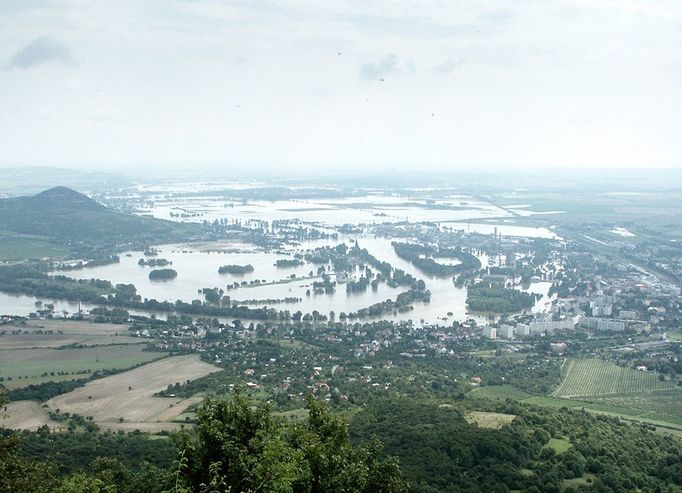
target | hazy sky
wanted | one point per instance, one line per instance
(360, 84)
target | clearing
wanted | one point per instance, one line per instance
(559, 445)
(488, 419)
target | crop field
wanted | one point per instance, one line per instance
(59, 333)
(663, 402)
(126, 401)
(22, 367)
(501, 392)
(593, 377)
(660, 408)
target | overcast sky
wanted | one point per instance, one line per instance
(359, 84)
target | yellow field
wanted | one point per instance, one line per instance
(126, 401)
(26, 415)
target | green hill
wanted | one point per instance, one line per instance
(63, 216)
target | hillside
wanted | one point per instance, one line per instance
(66, 217)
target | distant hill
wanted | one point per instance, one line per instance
(69, 217)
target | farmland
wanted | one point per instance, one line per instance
(126, 401)
(593, 377)
(26, 415)
(14, 246)
(59, 333)
(22, 367)
(603, 388)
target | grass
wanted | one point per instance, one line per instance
(559, 445)
(666, 402)
(293, 415)
(295, 344)
(501, 392)
(585, 480)
(22, 367)
(675, 335)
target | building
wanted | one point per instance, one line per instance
(602, 311)
(600, 324)
(522, 330)
(489, 332)
(506, 331)
(550, 326)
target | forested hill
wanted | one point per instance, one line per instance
(68, 216)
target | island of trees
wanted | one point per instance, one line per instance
(235, 269)
(153, 262)
(488, 297)
(162, 275)
(285, 263)
(422, 257)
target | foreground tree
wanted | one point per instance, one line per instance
(236, 448)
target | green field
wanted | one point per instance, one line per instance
(22, 367)
(15, 246)
(559, 445)
(593, 377)
(675, 335)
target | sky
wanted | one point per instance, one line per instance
(354, 85)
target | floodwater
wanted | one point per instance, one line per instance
(331, 212)
(198, 268)
(197, 264)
